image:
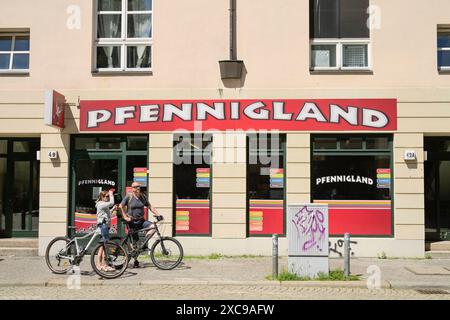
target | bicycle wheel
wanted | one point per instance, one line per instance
(60, 254)
(124, 243)
(115, 257)
(166, 253)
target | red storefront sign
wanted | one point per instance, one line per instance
(54, 109)
(202, 115)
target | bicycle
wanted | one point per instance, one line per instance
(166, 253)
(66, 253)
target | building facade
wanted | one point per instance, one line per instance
(123, 66)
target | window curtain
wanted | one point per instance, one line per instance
(139, 26)
(138, 57)
(108, 52)
(339, 19)
(141, 55)
(109, 26)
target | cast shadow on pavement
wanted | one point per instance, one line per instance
(144, 265)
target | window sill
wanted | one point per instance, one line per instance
(444, 71)
(14, 73)
(122, 73)
(342, 71)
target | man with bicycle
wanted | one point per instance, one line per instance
(135, 203)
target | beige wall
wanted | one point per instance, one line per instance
(273, 42)
(160, 176)
(54, 189)
(229, 172)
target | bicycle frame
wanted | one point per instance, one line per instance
(147, 238)
(79, 252)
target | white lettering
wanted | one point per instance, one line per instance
(123, 113)
(217, 112)
(97, 116)
(250, 111)
(351, 115)
(234, 111)
(278, 112)
(311, 111)
(380, 121)
(185, 113)
(149, 113)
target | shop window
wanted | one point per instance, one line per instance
(94, 170)
(136, 143)
(265, 184)
(192, 184)
(109, 143)
(352, 143)
(377, 143)
(124, 35)
(356, 183)
(14, 52)
(325, 143)
(340, 38)
(85, 143)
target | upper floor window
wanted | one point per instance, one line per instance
(340, 38)
(14, 52)
(443, 45)
(123, 35)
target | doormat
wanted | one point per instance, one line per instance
(429, 271)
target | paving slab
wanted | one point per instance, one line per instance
(20, 271)
(428, 270)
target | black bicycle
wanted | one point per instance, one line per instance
(166, 252)
(63, 253)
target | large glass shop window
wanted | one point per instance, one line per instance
(101, 163)
(265, 184)
(353, 175)
(192, 181)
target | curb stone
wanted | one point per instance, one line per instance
(269, 283)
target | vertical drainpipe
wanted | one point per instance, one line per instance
(233, 53)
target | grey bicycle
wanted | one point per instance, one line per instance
(63, 253)
(166, 253)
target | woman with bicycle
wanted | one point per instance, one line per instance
(103, 204)
(135, 203)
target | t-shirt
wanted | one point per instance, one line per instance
(135, 206)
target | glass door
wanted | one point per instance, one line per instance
(444, 199)
(437, 200)
(92, 174)
(19, 187)
(4, 219)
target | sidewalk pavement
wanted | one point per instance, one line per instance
(395, 273)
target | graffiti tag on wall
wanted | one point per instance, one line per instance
(311, 228)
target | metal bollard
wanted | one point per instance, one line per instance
(346, 254)
(274, 256)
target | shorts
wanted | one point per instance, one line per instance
(104, 231)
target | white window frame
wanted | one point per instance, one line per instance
(11, 52)
(123, 41)
(339, 43)
(445, 68)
